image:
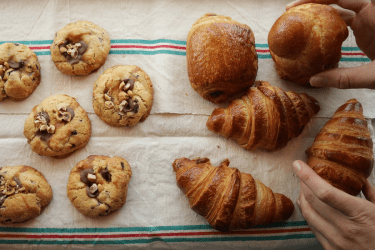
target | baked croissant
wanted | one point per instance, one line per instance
(265, 117)
(342, 151)
(227, 198)
(221, 57)
(306, 40)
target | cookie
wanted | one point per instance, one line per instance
(24, 193)
(57, 127)
(80, 48)
(123, 95)
(19, 71)
(98, 185)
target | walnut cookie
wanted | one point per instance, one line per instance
(19, 71)
(98, 185)
(80, 48)
(57, 127)
(123, 95)
(24, 193)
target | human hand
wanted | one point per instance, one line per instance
(337, 219)
(360, 16)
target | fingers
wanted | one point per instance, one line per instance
(318, 225)
(299, 2)
(323, 241)
(346, 15)
(328, 213)
(356, 5)
(324, 191)
(369, 191)
(346, 78)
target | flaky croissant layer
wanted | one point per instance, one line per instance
(342, 152)
(227, 198)
(265, 117)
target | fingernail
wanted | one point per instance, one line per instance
(298, 203)
(319, 81)
(297, 166)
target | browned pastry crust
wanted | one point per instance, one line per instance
(24, 193)
(221, 57)
(227, 198)
(306, 40)
(342, 151)
(265, 117)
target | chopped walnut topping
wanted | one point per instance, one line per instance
(122, 96)
(7, 73)
(107, 97)
(91, 177)
(93, 188)
(109, 105)
(43, 128)
(130, 93)
(122, 85)
(63, 50)
(123, 105)
(1, 69)
(63, 114)
(42, 120)
(126, 87)
(72, 51)
(51, 129)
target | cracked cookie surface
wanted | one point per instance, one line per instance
(57, 127)
(123, 95)
(80, 48)
(98, 185)
(24, 193)
(19, 71)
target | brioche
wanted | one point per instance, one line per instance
(306, 40)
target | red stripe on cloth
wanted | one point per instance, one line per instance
(127, 47)
(106, 236)
(353, 54)
(36, 48)
(146, 47)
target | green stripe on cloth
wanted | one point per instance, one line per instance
(135, 229)
(42, 53)
(30, 42)
(350, 49)
(167, 240)
(353, 59)
(179, 42)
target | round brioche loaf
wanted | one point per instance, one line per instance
(306, 40)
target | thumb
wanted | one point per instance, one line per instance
(346, 78)
(369, 191)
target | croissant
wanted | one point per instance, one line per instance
(265, 117)
(221, 57)
(306, 40)
(227, 198)
(342, 151)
